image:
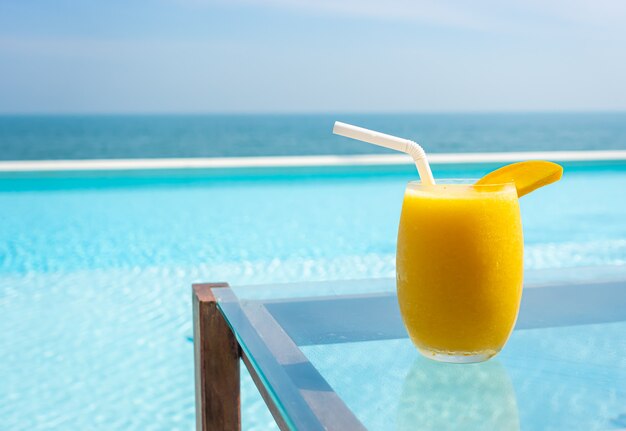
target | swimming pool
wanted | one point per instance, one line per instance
(96, 268)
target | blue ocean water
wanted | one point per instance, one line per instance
(152, 136)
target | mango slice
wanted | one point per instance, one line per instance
(527, 176)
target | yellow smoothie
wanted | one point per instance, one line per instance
(459, 268)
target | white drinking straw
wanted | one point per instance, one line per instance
(393, 142)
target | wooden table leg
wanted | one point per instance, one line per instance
(216, 352)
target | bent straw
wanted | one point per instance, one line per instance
(392, 142)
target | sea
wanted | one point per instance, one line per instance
(54, 137)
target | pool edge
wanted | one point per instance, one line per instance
(300, 161)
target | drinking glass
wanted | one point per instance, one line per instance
(459, 268)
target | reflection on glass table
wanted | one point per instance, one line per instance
(335, 355)
(438, 396)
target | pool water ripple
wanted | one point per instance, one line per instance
(95, 283)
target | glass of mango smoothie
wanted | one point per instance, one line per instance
(459, 261)
(459, 267)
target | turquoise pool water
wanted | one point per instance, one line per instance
(95, 271)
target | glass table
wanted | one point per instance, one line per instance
(335, 356)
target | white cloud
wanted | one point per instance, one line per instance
(422, 11)
(597, 13)
(606, 15)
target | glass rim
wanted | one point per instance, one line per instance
(459, 182)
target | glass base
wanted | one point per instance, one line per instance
(458, 357)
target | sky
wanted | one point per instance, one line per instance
(196, 56)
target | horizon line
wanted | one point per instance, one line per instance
(312, 112)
